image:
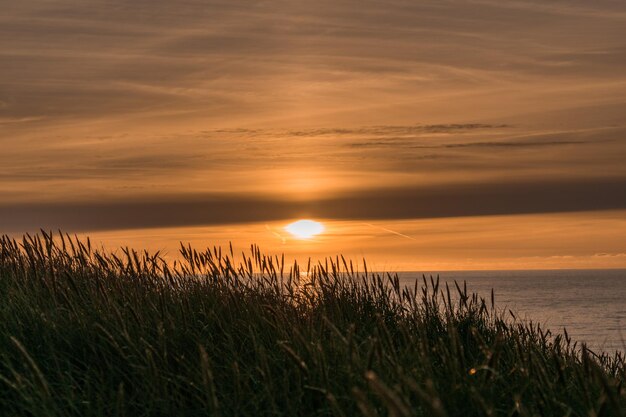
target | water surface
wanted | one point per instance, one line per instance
(590, 304)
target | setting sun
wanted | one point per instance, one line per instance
(305, 229)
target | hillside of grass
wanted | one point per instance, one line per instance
(87, 333)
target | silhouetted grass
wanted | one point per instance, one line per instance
(84, 333)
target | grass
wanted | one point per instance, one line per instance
(84, 333)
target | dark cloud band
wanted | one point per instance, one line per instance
(457, 200)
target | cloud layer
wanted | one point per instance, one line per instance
(459, 200)
(242, 62)
(163, 113)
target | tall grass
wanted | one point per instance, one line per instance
(86, 333)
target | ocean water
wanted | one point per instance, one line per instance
(590, 304)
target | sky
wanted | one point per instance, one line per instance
(423, 134)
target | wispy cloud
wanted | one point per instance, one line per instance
(248, 61)
(393, 130)
(610, 255)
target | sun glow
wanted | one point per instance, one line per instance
(305, 229)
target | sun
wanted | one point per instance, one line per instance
(305, 229)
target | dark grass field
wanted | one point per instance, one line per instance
(84, 333)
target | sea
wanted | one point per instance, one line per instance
(590, 304)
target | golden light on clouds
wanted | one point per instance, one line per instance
(305, 229)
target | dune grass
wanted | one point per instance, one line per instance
(85, 333)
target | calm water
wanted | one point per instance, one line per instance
(591, 304)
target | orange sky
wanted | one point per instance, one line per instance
(490, 133)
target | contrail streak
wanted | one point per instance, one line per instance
(390, 231)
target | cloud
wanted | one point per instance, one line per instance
(109, 101)
(611, 10)
(248, 61)
(8, 120)
(317, 162)
(510, 144)
(395, 130)
(453, 200)
(610, 255)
